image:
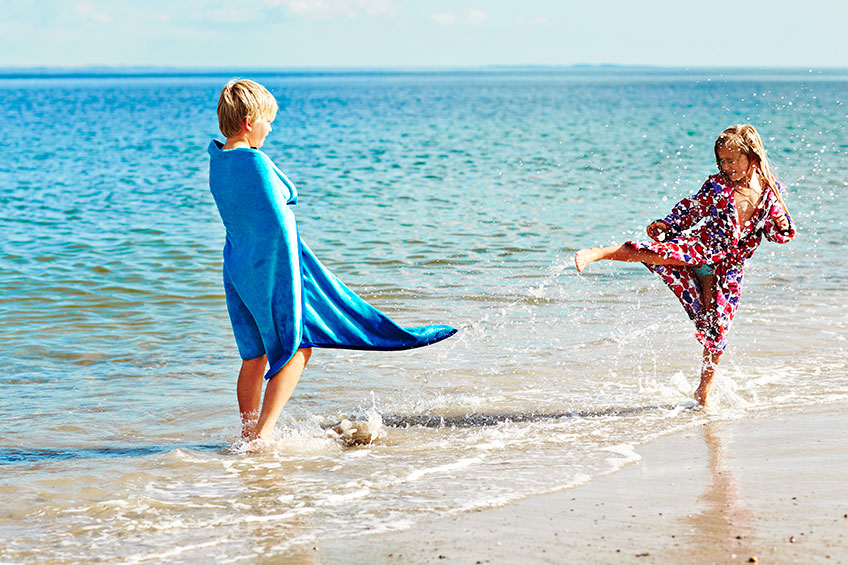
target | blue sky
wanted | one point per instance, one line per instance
(398, 33)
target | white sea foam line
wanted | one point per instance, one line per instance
(171, 553)
(268, 466)
(461, 464)
(301, 540)
(357, 454)
(495, 444)
(335, 499)
(395, 525)
(626, 450)
(496, 501)
(274, 517)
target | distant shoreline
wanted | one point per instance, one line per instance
(211, 72)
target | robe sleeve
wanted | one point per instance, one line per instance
(775, 211)
(690, 210)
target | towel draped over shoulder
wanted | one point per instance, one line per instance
(279, 295)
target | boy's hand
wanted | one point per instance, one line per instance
(658, 231)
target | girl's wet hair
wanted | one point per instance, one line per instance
(745, 139)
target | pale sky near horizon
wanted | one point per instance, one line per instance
(413, 33)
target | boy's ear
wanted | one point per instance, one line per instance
(246, 125)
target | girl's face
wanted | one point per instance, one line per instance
(734, 164)
(260, 130)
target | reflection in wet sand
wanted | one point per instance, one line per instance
(272, 521)
(723, 528)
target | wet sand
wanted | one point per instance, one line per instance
(762, 489)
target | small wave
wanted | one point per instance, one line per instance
(11, 456)
(447, 468)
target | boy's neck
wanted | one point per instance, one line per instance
(237, 142)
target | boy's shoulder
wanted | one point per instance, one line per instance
(239, 157)
(246, 167)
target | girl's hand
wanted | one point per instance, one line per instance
(782, 222)
(658, 231)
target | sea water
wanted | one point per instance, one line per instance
(441, 197)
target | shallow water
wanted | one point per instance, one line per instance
(442, 198)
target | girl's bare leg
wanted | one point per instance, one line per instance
(249, 392)
(627, 253)
(708, 367)
(707, 284)
(278, 392)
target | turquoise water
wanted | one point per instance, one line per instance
(454, 197)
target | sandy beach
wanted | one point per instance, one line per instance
(761, 489)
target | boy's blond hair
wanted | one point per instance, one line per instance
(241, 99)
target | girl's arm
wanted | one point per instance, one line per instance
(690, 210)
(779, 227)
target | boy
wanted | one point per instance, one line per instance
(282, 301)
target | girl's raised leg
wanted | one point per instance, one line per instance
(623, 252)
(708, 316)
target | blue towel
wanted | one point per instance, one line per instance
(279, 296)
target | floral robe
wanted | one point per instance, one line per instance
(705, 230)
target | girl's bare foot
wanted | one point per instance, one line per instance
(586, 256)
(702, 391)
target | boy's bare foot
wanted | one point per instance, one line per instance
(248, 428)
(257, 445)
(584, 257)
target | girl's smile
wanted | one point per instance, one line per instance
(734, 164)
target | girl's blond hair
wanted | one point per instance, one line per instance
(241, 99)
(745, 139)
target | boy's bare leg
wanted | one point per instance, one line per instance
(249, 392)
(627, 253)
(278, 392)
(708, 367)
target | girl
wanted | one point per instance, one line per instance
(699, 250)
